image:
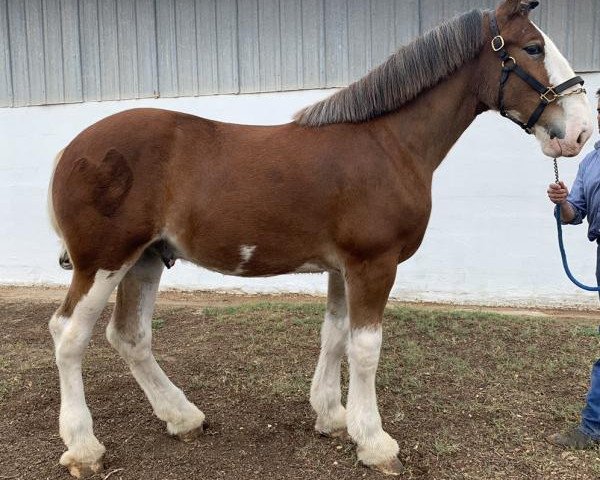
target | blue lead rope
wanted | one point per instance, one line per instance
(561, 245)
(563, 256)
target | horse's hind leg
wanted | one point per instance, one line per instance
(325, 392)
(71, 327)
(130, 333)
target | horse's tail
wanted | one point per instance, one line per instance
(64, 260)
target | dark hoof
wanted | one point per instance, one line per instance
(84, 470)
(194, 434)
(392, 467)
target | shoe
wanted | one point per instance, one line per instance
(574, 439)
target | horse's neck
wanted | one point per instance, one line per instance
(429, 126)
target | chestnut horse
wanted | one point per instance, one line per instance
(345, 189)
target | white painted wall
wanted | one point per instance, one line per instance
(491, 238)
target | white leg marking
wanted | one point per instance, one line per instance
(134, 341)
(71, 336)
(375, 446)
(325, 392)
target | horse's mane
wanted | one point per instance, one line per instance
(415, 67)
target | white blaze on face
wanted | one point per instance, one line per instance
(576, 120)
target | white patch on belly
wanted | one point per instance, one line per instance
(246, 252)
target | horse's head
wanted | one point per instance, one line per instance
(530, 81)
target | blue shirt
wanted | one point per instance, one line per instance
(585, 194)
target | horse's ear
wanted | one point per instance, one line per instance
(528, 6)
(511, 8)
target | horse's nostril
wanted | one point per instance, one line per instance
(556, 132)
(581, 137)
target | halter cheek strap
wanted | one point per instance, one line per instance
(509, 65)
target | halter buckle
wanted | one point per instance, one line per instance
(495, 40)
(512, 65)
(550, 95)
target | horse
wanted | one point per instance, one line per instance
(344, 188)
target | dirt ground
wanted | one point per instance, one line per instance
(468, 393)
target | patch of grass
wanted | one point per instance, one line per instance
(8, 384)
(587, 331)
(291, 385)
(457, 366)
(464, 317)
(444, 446)
(595, 467)
(300, 310)
(4, 389)
(220, 311)
(158, 323)
(565, 412)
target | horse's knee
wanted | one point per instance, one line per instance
(56, 325)
(69, 340)
(334, 334)
(364, 349)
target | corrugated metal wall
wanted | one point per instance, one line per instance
(60, 51)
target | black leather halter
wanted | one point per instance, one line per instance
(509, 65)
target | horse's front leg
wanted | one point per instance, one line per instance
(368, 285)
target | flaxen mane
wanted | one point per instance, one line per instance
(415, 67)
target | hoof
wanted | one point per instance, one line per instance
(193, 434)
(392, 467)
(84, 470)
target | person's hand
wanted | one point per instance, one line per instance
(557, 193)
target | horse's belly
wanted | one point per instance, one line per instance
(256, 259)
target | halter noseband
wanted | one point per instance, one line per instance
(509, 65)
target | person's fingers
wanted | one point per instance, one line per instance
(557, 190)
(559, 196)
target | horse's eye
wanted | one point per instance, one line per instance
(534, 50)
